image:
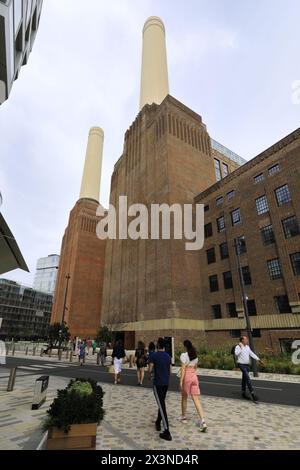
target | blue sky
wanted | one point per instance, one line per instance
(233, 62)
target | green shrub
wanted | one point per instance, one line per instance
(83, 388)
(80, 403)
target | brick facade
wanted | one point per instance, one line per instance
(82, 258)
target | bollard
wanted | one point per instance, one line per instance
(59, 354)
(14, 350)
(71, 356)
(67, 355)
(12, 379)
(26, 352)
(42, 352)
(34, 350)
(98, 359)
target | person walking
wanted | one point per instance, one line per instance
(2, 353)
(243, 353)
(118, 355)
(103, 353)
(160, 363)
(140, 360)
(189, 384)
(94, 346)
(82, 351)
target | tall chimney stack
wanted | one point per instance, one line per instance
(90, 185)
(154, 78)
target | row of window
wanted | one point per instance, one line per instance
(281, 303)
(274, 270)
(257, 179)
(227, 279)
(290, 228)
(282, 194)
(271, 172)
(221, 173)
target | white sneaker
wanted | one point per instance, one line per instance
(202, 425)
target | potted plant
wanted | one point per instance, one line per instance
(74, 415)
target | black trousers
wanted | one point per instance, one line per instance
(160, 393)
(246, 381)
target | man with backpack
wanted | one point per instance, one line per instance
(242, 353)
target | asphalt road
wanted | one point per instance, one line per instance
(268, 391)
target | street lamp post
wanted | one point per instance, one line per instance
(68, 277)
(237, 244)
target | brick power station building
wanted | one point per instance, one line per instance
(149, 288)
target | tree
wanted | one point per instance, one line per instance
(58, 333)
(104, 335)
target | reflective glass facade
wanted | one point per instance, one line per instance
(46, 274)
(19, 21)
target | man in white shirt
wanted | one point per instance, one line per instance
(243, 353)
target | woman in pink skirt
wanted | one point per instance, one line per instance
(189, 384)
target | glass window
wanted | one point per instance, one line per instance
(241, 243)
(251, 307)
(227, 277)
(206, 208)
(217, 311)
(221, 224)
(262, 205)
(231, 309)
(274, 268)
(267, 235)
(259, 178)
(282, 304)
(295, 260)
(256, 333)
(211, 256)
(273, 170)
(236, 217)
(283, 195)
(246, 275)
(17, 14)
(230, 195)
(208, 231)
(290, 227)
(219, 200)
(224, 253)
(225, 170)
(235, 333)
(213, 283)
(218, 169)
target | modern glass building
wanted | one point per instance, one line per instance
(46, 274)
(19, 21)
(25, 312)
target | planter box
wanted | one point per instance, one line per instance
(80, 437)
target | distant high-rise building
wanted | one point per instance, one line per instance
(19, 21)
(46, 274)
(25, 311)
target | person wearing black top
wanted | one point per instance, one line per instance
(118, 355)
(140, 360)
